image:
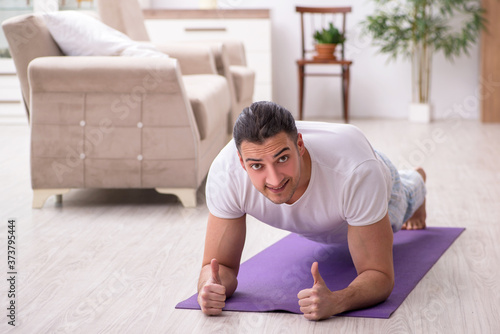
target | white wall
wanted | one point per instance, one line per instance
(378, 88)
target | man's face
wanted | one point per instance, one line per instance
(274, 167)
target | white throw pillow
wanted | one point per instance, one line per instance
(79, 34)
(141, 49)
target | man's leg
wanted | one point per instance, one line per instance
(417, 220)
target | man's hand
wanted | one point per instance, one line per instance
(212, 295)
(318, 302)
(224, 241)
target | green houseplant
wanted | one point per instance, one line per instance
(326, 42)
(416, 29)
(4, 53)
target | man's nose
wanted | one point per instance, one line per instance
(274, 177)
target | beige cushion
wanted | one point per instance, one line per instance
(235, 52)
(125, 16)
(208, 94)
(243, 79)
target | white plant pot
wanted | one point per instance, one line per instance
(207, 4)
(420, 112)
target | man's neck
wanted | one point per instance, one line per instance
(305, 177)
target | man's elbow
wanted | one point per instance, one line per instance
(231, 288)
(388, 287)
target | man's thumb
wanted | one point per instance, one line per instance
(315, 273)
(214, 265)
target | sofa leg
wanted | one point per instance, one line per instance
(187, 196)
(41, 195)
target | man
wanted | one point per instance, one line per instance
(323, 181)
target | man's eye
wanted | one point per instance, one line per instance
(256, 166)
(283, 158)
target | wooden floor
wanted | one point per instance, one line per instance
(117, 261)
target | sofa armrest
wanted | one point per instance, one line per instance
(193, 58)
(104, 74)
(233, 50)
(236, 52)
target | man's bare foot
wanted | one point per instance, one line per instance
(417, 220)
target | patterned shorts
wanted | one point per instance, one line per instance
(408, 193)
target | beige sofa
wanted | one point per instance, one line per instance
(117, 122)
(126, 16)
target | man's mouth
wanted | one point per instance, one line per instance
(278, 189)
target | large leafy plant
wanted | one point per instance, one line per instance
(416, 29)
(329, 36)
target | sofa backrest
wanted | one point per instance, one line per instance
(28, 38)
(125, 16)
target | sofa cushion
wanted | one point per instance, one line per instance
(210, 100)
(244, 79)
(79, 34)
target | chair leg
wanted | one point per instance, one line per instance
(301, 90)
(345, 91)
(41, 195)
(187, 196)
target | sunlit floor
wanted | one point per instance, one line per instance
(117, 261)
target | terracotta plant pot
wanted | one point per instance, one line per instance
(325, 51)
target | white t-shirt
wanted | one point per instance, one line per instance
(348, 185)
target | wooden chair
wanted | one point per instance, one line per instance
(325, 15)
(80, 2)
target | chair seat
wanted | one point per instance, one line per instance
(323, 61)
(208, 94)
(244, 79)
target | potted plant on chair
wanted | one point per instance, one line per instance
(326, 42)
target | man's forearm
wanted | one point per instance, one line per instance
(369, 288)
(227, 276)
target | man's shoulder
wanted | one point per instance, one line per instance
(331, 135)
(228, 156)
(225, 181)
(226, 171)
(338, 146)
(326, 127)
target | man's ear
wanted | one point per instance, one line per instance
(241, 161)
(300, 144)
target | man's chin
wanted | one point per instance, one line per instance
(278, 202)
(277, 199)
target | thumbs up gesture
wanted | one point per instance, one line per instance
(212, 295)
(214, 268)
(317, 302)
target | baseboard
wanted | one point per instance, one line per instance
(12, 113)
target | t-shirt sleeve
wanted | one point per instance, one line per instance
(222, 192)
(365, 194)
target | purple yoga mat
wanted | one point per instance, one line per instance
(270, 280)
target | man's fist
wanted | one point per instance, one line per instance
(316, 303)
(212, 295)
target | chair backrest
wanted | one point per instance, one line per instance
(28, 38)
(320, 17)
(125, 16)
